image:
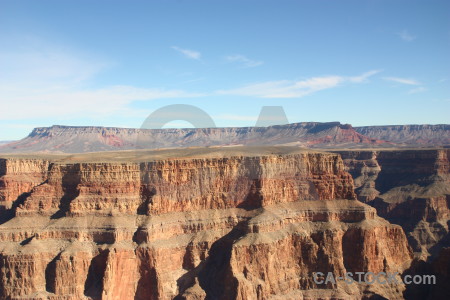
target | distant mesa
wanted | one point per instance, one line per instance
(2, 143)
(427, 135)
(79, 139)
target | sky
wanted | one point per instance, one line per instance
(113, 63)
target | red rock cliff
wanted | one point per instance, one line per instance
(17, 178)
(233, 227)
(407, 187)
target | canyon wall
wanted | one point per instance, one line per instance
(411, 188)
(18, 177)
(237, 227)
(407, 187)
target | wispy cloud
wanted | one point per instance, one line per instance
(47, 64)
(245, 61)
(406, 36)
(71, 102)
(416, 90)
(188, 53)
(408, 81)
(47, 81)
(363, 77)
(295, 89)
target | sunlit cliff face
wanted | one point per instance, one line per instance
(232, 227)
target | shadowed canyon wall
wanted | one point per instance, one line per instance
(411, 188)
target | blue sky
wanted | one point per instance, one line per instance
(112, 63)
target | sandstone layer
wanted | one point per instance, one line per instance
(408, 187)
(411, 188)
(220, 227)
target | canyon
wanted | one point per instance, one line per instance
(410, 188)
(224, 213)
(219, 224)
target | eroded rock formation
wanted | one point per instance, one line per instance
(408, 187)
(411, 188)
(236, 227)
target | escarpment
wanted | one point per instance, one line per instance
(73, 139)
(418, 135)
(408, 187)
(17, 178)
(221, 227)
(83, 188)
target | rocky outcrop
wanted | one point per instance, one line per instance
(364, 168)
(216, 183)
(17, 178)
(234, 227)
(84, 188)
(407, 187)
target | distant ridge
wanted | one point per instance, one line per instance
(409, 134)
(5, 142)
(79, 139)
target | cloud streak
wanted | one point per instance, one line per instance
(407, 81)
(419, 89)
(43, 64)
(406, 36)
(295, 89)
(245, 61)
(363, 77)
(68, 102)
(50, 81)
(191, 54)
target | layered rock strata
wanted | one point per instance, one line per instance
(419, 135)
(17, 178)
(408, 187)
(72, 139)
(237, 227)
